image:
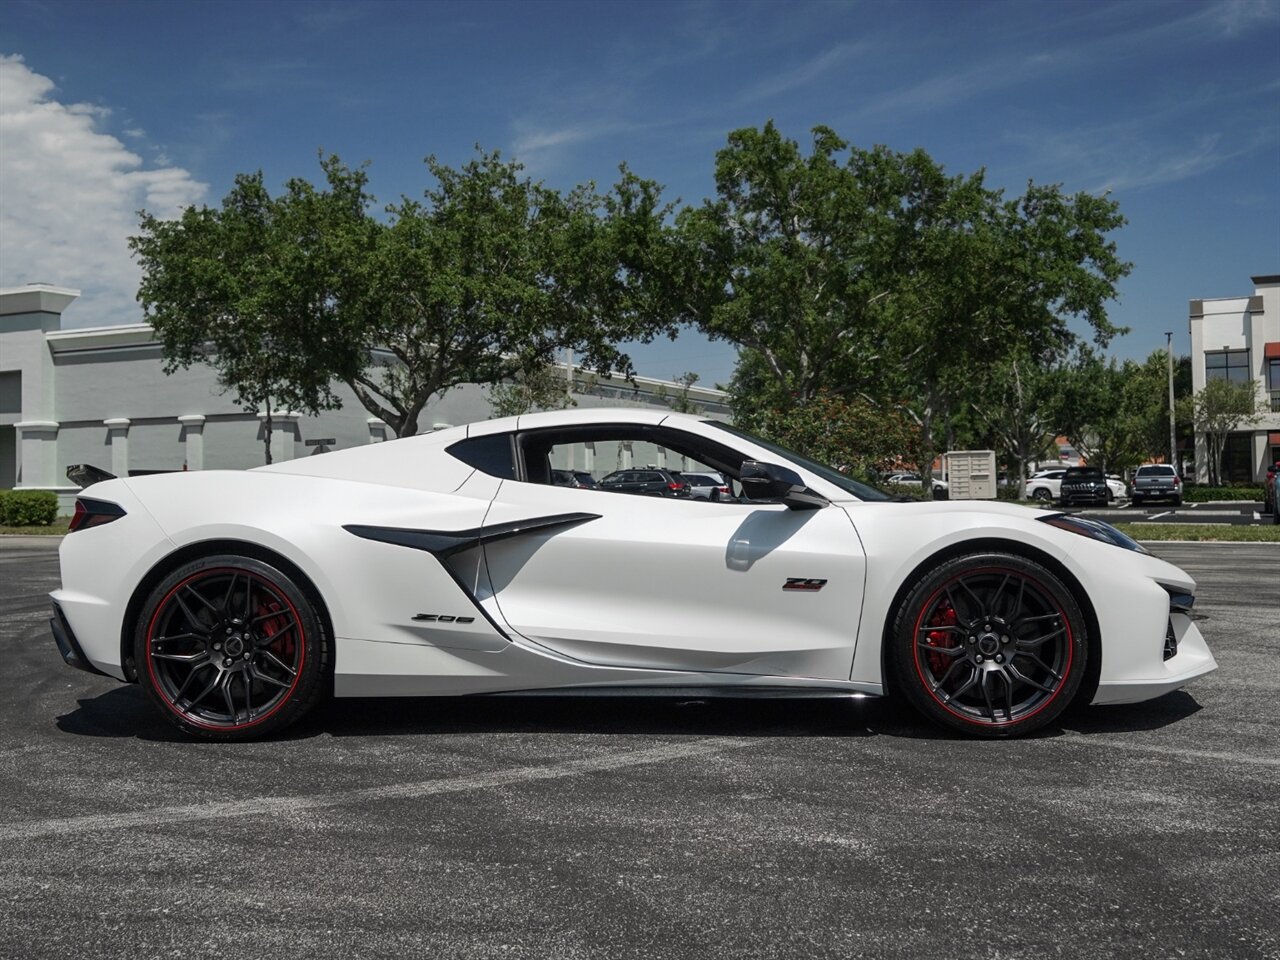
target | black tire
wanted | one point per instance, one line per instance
(984, 616)
(1177, 501)
(1135, 500)
(240, 632)
(1042, 494)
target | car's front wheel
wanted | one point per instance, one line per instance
(991, 644)
(1041, 494)
(230, 648)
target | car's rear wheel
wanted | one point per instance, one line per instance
(230, 648)
(990, 644)
(1136, 500)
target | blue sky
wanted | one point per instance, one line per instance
(1172, 106)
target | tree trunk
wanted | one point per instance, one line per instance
(266, 433)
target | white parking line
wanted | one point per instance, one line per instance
(1157, 516)
(271, 806)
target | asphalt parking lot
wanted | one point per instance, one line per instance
(609, 828)
(1236, 514)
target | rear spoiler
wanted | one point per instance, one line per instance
(86, 474)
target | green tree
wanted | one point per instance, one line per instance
(491, 276)
(482, 281)
(873, 273)
(680, 401)
(538, 388)
(1016, 404)
(244, 289)
(1220, 407)
(850, 434)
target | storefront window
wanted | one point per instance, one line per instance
(1237, 458)
(1230, 365)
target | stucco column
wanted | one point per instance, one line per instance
(588, 456)
(626, 454)
(377, 429)
(37, 453)
(118, 437)
(193, 436)
(284, 434)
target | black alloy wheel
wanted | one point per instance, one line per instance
(989, 644)
(1041, 494)
(230, 648)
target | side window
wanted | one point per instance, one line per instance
(623, 458)
(492, 454)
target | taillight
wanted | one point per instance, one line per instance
(1176, 481)
(93, 513)
(724, 489)
(675, 486)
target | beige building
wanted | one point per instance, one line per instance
(1238, 339)
(100, 395)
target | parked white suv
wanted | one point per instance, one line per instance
(1044, 485)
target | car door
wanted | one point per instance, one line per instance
(677, 584)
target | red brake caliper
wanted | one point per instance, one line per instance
(284, 647)
(943, 616)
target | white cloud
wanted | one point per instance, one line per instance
(69, 196)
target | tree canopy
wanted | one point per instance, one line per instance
(867, 272)
(481, 281)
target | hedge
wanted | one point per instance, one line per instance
(28, 508)
(1192, 493)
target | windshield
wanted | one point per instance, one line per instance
(859, 490)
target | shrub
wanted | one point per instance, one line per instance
(28, 508)
(913, 493)
(1198, 494)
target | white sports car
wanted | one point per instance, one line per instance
(450, 564)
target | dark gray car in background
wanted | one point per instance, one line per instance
(1084, 485)
(1157, 481)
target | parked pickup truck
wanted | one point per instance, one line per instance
(1156, 481)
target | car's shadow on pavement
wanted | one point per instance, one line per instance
(125, 712)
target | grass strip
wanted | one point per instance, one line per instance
(1267, 533)
(55, 529)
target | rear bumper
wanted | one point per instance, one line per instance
(67, 643)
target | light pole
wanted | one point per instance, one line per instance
(1173, 437)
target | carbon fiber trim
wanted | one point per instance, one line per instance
(445, 543)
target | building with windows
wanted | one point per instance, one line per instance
(100, 395)
(1238, 339)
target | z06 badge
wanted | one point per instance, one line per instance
(803, 583)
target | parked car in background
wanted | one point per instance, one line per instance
(1084, 485)
(940, 487)
(1157, 481)
(573, 478)
(1044, 485)
(1117, 487)
(658, 483)
(706, 486)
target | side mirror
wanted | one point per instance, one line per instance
(771, 483)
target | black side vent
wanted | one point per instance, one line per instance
(1170, 641)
